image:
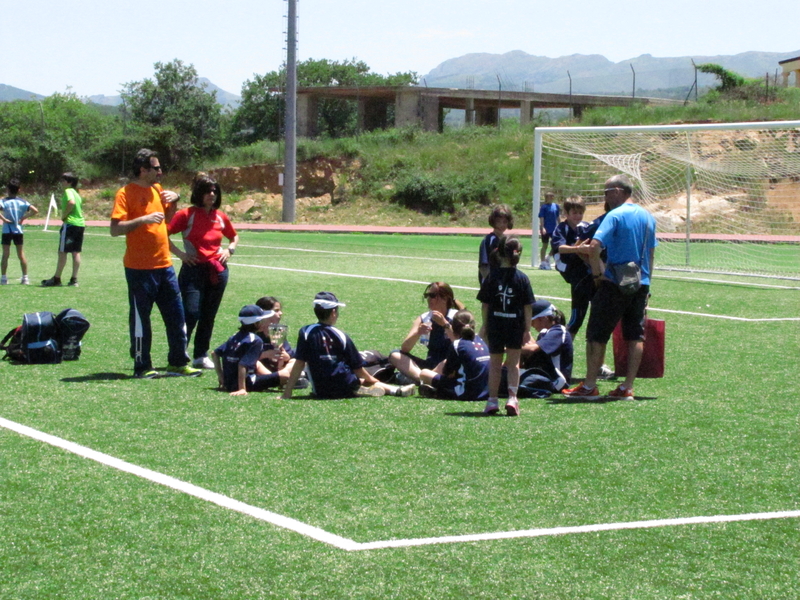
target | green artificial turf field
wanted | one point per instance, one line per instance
(720, 436)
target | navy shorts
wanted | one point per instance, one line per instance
(445, 387)
(70, 238)
(260, 383)
(504, 334)
(609, 306)
(12, 237)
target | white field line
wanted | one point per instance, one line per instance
(182, 486)
(346, 544)
(463, 287)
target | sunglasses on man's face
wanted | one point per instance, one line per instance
(609, 190)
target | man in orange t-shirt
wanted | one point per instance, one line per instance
(141, 212)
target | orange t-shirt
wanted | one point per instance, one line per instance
(147, 245)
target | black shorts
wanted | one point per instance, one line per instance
(546, 238)
(504, 334)
(70, 238)
(445, 387)
(609, 306)
(12, 237)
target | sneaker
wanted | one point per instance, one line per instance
(427, 391)
(73, 282)
(512, 408)
(372, 390)
(24, 280)
(404, 391)
(620, 392)
(402, 378)
(491, 408)
(582, 391)
(605, 372)
(4, 280)
(544, 266)
(302, 383)
(203, 363)
(183, 371)
(52, 282)
(149, 374)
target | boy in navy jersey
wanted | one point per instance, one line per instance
(236, 361)
(331, 359)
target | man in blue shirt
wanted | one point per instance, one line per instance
(13, 211)
(628, 234)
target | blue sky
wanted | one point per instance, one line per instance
(94, 46)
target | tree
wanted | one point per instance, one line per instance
(728, 79)
(260, 113)
(176, 116)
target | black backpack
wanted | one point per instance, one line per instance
(44, 338)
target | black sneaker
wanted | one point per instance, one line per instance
(52, 282)
(73, 282)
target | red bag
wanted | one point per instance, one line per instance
(652, 366)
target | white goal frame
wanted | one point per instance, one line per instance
(559, 141)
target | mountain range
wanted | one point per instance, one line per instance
(593, 74)
(520, 71)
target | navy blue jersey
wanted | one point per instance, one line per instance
(438, 344)
(554, 357)
(489, 243)
(571, 266)
(467, 366)
(507, 292)
(331, 357)
(241, 348)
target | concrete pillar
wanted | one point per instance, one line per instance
(577, 110)
(469, 112)
(372, 114)
(407, 109)
(430, 113)
(525, 112)
(307, 115)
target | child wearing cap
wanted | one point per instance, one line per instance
(236, 361)
(331, 359)
(548, 360)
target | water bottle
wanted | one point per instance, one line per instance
(425, 337)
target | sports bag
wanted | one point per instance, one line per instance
(72, 326)
(35, 341)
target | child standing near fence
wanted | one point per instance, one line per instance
(506, 297)
(13, 211)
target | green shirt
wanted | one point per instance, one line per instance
(76, 216)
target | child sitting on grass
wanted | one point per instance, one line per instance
(546, 362)
(464, 375)
(331, 359)
(506, 298)
(236, 361)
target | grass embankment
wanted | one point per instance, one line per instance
(410, 177)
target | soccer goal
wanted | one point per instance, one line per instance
(726, 197)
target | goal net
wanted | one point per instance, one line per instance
(726, 198)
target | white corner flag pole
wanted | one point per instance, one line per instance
(50, 208)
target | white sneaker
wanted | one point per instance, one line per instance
(404, 391)
(605, 372)
(24, 280)
(544, 265)
(491, 408)
(203, 363)
(4, 280)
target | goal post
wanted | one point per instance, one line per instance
(726, 197)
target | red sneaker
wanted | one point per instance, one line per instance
(582, 391)
(620, 392)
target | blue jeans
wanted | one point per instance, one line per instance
(160, 287)
(201, 300)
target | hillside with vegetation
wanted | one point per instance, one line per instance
(395, 176)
